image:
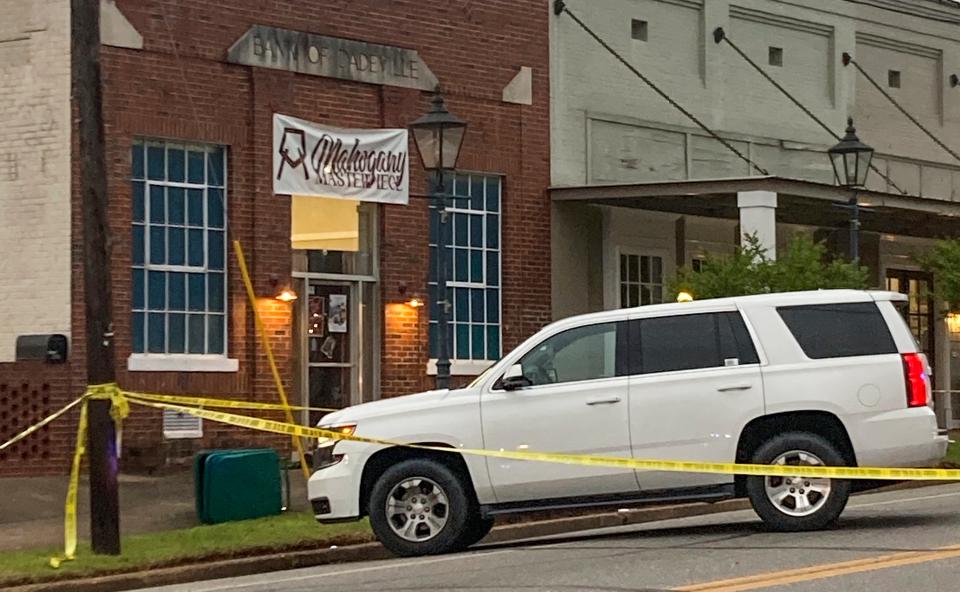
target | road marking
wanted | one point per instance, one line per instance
(392, 564)
(823, 571)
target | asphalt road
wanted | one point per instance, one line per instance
(888, 542)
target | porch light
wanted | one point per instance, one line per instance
(684, 297)
(414, 303)
(438, 136)
(851, 159)
(286, 295)
(953, 322)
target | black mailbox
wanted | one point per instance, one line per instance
(49, 348)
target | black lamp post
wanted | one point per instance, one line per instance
(438, 136)
(851, 162)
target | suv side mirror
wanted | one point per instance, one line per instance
(514, 379)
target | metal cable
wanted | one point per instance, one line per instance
(559, 7)
(848, 59)
(720, 35)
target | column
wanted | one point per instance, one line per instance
(758, 215)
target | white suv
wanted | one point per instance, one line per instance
(805, 378)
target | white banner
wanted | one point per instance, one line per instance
(360, 164)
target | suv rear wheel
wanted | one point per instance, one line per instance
(798, 503)
(421, 507)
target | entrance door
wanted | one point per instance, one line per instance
(920, 310)
(330, 313)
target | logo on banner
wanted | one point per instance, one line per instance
(366, 165)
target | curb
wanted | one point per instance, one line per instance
(374, 551)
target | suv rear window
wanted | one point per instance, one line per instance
(839, 330)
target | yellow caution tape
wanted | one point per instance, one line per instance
(41, 423)
(278, 427)
(221, 403)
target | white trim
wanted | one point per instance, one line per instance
(181, 363)
(462, 367)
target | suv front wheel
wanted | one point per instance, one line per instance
(421, 507)
(798, 503)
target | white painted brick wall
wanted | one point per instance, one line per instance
(34, 170)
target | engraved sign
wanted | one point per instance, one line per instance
(332, 57)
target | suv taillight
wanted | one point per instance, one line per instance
(915, 374)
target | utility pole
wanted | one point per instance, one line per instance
(101, 439)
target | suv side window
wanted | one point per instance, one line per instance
(839, 330)
(690, 342)
(583, 353)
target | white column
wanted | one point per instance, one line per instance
(758, 215)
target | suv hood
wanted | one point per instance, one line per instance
(391, 406)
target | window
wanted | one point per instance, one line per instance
(690, 342)
(775, 56)
(839, 330)
(473, 268)
(696, 264)
(584, 353)
(639, 29)
(179, 249)
(641, 280)
(893, 79)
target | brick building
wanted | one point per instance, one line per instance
(189, 135)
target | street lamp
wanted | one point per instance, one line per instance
(851, 162)
(438, 136)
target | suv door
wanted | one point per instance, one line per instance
(695, 383)
(576, 403)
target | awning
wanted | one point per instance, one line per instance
(799, 202)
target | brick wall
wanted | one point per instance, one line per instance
(179, 87)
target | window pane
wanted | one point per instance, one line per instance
(215, 167)
(493, 231)
(477, 346)
(158, 205)
(656, 270)
(477, 306)
(158, 245)
(195, 167)
(493, 342)
(461, 266)
(178, 334)
(195, 248)
(463, 342)
(156, 290)
(215, 246)
(684, 342)
(476, 192)
(175, 205)
(839, 330)
(476, 266)
(493, 194)
(196, 334)
(138, 244)
(493, 306)
(584, 353)
(460, 235)
(136, 154)
(138, 332)
(176, 167)
(177, 291)
(215, 207)
(476, 231)
(138, 201)
(195, 207)
(215, 334)
(156, 333)
(735, 339)
(493, 269)
(434, 224)
(139, 289)
(215, 292)
(175, 240)
(461, 305)
(196, 292)
(156, 165)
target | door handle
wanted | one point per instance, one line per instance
(738, 387)
(610, 401)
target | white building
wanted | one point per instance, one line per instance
(639, 189)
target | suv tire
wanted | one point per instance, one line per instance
(422, 507)
(789, 504)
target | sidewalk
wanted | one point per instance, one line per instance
(31, 508)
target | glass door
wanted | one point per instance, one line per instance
(919, 310)
(332, 348)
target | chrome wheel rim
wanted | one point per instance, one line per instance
(417, 509)
(797, 496)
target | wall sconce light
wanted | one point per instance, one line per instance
(684, 297)
(415, 303)
(412, 302)
(953, 322)
(282, 293)
(954, 80)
